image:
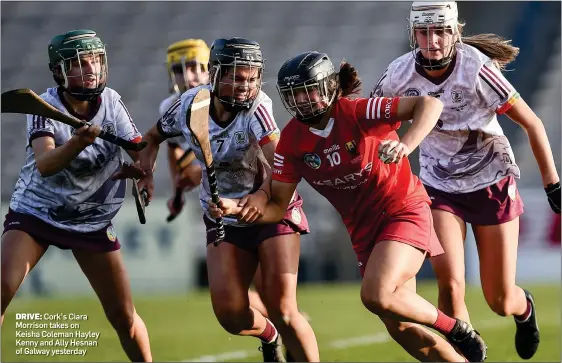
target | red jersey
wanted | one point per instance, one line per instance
(341, 162)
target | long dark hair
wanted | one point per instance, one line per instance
(347, 81)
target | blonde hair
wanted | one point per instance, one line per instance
(497, 48)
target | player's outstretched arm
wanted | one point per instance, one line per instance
(424, 111)
(281, 195)
(274, 211)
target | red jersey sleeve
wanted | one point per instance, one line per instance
(284, 162)
(376, 111)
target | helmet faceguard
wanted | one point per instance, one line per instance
(184, 57)
(236, 69)
(436, 24)
(308, 86)
(82, 50)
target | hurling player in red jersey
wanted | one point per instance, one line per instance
(349, 152)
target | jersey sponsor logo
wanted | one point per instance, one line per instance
(459, 108)
(341, 182)
(312, 160)
(222, 135)
(351, 147)
(436, 94)
(411, 92)
(332, 148)
(235, 176)
(457, 96)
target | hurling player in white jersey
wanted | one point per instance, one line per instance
(242, 128)
(187, 66)
(467, 164)
(65, 195)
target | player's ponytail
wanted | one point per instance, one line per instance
(349, 81)
(497, 48)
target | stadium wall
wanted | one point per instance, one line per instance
(169, 258)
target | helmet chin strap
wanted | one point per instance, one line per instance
(431, 64)
(434, 64)
(313, 120)
(80, 96)
(231, 107)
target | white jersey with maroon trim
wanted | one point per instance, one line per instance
(81, 197)
(467, 150)
(165, 106)
(235, 147)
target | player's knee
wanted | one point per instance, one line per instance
(282, 311)
(452, 289)
(234, 320)
(9, 288)
(121, 317)
(376, 300)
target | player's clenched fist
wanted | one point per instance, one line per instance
(87, 134)
(391, 151)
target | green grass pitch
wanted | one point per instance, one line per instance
(184, 328)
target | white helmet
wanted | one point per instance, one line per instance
(433, 14)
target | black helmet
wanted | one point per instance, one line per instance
(229, 53)
(308, 72)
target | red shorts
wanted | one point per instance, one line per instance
(412, 225)
(496, 204)
(104, 240)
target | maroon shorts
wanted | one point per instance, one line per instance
(252, 236)
(104, 240)
(496, 204)
(412, 225)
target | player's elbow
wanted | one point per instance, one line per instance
(431, 103)
(44, 169)
(155, 136)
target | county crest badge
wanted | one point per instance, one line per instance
(312, 160)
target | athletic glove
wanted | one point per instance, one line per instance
(553, 195)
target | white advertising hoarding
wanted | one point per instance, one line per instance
(159, 256)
